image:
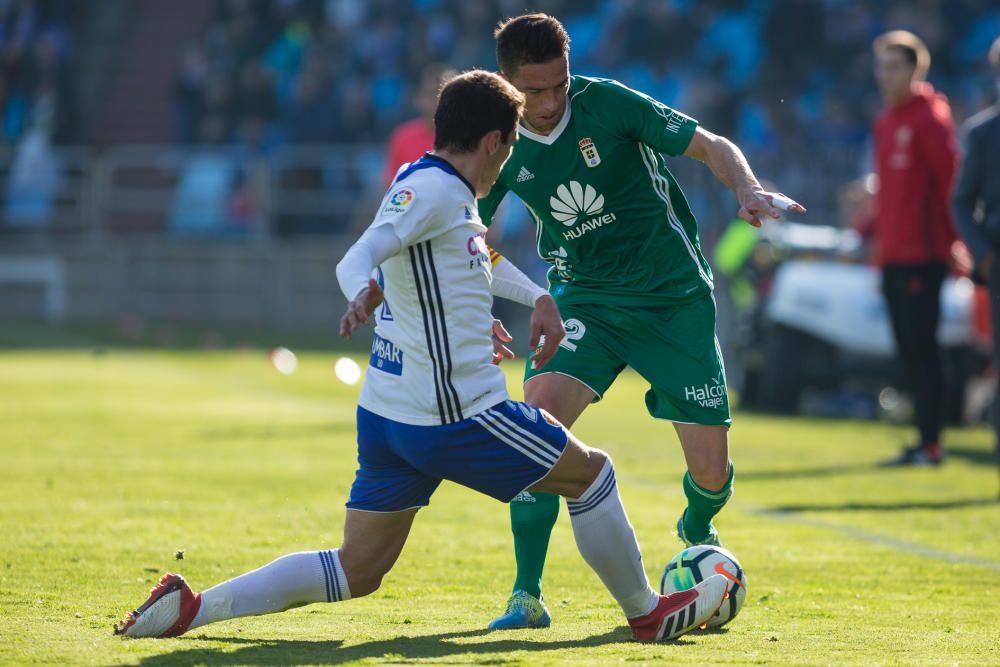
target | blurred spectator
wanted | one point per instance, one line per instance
(977, 206)
(189, 94)
(915, 159)
(310, 114)
(35, 82)
(210, 199)
(799, 99)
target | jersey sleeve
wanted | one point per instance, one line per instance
(638, 116)
(417, 210)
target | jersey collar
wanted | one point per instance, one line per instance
(429, 160)
(550, 138)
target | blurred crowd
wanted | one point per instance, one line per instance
(789, 80)
(35, 79)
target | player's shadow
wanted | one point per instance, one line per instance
(975, 455)
(396, 650)
(958, 503)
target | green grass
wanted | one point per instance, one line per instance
(114, 462)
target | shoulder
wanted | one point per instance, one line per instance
(934, 110)
(418, 187)
(587, 88)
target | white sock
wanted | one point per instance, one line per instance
(290, 581)
(606, 540)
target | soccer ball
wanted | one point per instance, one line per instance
(695, 564)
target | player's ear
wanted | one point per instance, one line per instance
(492, 141)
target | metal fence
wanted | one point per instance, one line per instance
(194, 193)
(193, 233)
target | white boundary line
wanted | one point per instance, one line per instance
(912, 548)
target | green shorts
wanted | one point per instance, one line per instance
(674, 348)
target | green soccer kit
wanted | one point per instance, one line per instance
(627, 269)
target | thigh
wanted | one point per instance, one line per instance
(675, 349)
(589, 353)
(914, 297)
(927, 301)
(894, 291)
(499, 452)
(385, 481)
(562, 396)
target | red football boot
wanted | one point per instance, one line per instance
(681, 612)
(168, 611)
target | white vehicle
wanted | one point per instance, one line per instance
(824, 325)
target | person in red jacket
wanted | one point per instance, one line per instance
(410, 140)
(916, 157)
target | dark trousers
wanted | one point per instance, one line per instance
(913, 295)
(993, 287)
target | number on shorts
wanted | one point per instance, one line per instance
(574, 331)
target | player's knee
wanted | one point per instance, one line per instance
(365, 584)
(711, 477)
(596, 460)
(364, 581)
(364, 573)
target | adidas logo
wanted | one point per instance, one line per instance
(524, 175)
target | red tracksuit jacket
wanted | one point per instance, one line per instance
(915, 158)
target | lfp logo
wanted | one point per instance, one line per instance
(399, 200)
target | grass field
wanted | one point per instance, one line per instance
(115, 461)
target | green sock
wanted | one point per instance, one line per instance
(532, 516)
(704, 504)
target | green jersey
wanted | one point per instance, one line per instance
(611, 219)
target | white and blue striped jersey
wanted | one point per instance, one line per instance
(431, 359)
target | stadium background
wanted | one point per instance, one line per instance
(178, 179)
(190, 163)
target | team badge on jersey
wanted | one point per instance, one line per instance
(399, 201)
(589, 151)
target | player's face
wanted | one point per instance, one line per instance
(894, 74)
(545, 86)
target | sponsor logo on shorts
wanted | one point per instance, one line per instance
(386, 356)
(707, 395)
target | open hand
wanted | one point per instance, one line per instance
(359, 310)
(547, 326)
(757, 204)
(500, 336)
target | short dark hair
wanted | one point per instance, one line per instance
(912, 47)
(472, 105)
(530, 39)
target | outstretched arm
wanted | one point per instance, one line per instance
(354, 272)
(510, 283)
(730, 166)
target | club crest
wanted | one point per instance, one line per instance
(589, 151)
